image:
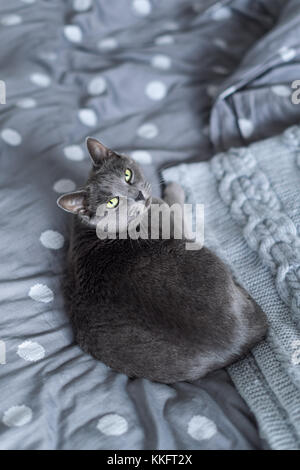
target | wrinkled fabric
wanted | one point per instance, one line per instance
(256, 100)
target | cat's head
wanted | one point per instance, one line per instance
(115, 183)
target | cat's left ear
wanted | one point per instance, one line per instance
(97, 150)
(72, 202)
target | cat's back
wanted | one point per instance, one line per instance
(153, 262)
(144, 280)
(154, 309)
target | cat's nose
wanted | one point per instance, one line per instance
(140, 196)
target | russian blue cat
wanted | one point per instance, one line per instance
(149, 307)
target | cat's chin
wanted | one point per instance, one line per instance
(142, 213)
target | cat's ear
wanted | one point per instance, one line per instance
(97, 150)
(72, 202)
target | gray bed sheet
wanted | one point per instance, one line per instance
(141, 76)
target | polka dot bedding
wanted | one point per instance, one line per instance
(143, 77)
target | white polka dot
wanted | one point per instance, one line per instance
(31, 351)
(287, 53)
(281, 90)
(141, 7)
(212, 90)
(17, 416)
(52, 239)
(112, 424)
(73, 33)
(201, 428)
(220, 69)
(87, 117)
(26, 103)
(108, 44)
(41, 293)
(156, 90)
(82, 5)
(220, 43)
(222, 13)
(11, 137)
(246, 127)
(161, 61)
(40, 79)
(142, 156)
(10, 20)
(74, 152)
(148, 130)
(171, 26)
(64, 186)
(97, 86)
(49, 56)
(164, 39)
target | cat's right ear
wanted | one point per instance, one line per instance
(72, 202)
(97, 150)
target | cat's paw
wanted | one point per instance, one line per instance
(174, 193)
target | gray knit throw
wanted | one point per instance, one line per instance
(252, 220)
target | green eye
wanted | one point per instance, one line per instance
(128, 175)
(114, 201)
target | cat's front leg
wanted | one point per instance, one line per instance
(174, 194)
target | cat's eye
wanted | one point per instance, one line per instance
(128, 175)
(112, 203)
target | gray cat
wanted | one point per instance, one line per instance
(149, 308)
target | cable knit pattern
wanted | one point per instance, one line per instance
(252, 220)
(291, 137)
(267, 229)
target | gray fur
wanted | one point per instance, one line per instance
(150, 308)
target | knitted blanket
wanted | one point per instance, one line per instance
(252, 220)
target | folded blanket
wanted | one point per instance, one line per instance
(252, 219)
(255, 100)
